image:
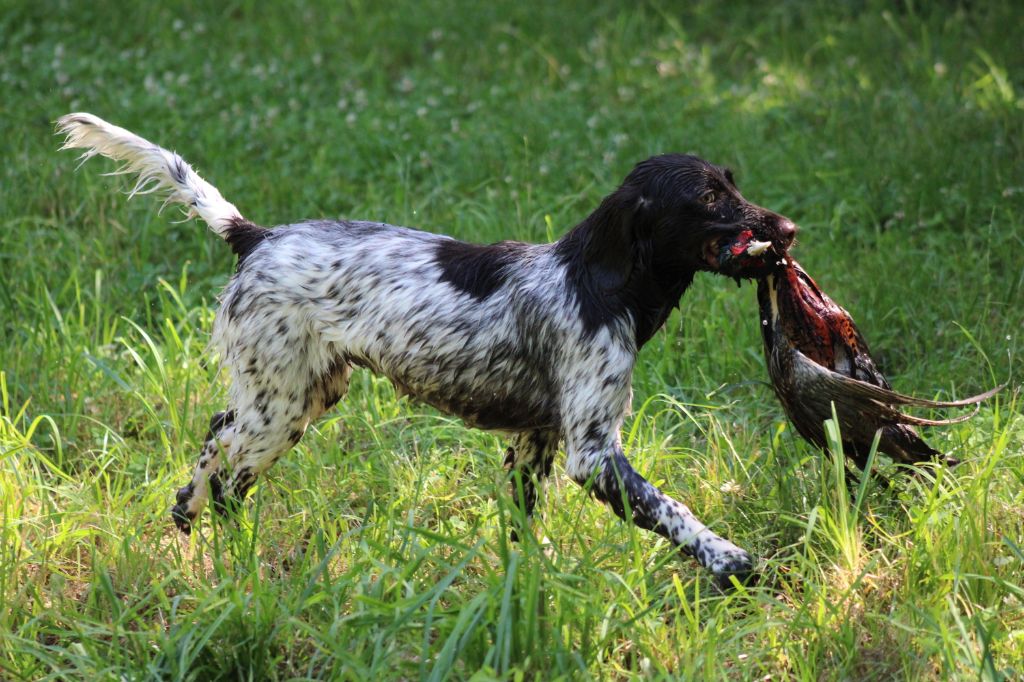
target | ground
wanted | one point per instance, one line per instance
(893, 133)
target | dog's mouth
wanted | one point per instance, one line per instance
(742, 255)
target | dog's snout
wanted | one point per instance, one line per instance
(787, 231)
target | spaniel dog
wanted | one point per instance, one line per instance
(537, 341)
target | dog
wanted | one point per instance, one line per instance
(537, 341)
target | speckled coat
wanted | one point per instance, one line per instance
(537, 341)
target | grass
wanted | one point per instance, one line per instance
(893, 133)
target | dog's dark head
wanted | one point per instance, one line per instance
(675, 215)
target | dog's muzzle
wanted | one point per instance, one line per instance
(753, 251)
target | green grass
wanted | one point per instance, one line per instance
(893, 133)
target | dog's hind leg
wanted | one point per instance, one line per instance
(268, 416)
(191, 499)
(595, 458)
(529, 458)
(272, 423)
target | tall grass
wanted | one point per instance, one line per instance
(379, 547)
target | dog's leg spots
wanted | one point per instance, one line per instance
(633, 498)
(529, 458)
(190, 500)
(263, 436)
(227, 498)
(272, 413)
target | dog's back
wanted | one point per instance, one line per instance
(377, 295)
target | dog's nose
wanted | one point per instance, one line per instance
(787, 231)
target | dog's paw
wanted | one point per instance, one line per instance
(180, 513)
(182, 519)
(733, 564)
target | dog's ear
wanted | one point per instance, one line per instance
(618, 229)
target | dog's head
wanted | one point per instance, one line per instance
(677, 214)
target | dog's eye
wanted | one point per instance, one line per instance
(708, 197)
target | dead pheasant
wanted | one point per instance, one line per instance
(817, 357)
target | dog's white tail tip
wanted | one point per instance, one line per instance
(156, 169)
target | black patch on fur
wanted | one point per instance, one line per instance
(178, 171)
(243, 480)
(475, 269)
(220, 503)
(218, 422)
(243, 237)
(613, 267)
(184, 495)
(498, 412)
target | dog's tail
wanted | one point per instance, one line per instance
(161, 171)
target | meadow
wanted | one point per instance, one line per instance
(893, 133)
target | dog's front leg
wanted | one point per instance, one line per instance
(529, 458)
(595, 458)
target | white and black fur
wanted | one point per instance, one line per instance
(535, 340)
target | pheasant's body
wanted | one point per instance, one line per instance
(817, 357)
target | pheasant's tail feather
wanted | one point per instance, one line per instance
(885, 396)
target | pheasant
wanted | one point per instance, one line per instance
(817, 357)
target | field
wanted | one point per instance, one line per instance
(893, 133)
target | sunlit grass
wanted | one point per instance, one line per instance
(379, 547)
